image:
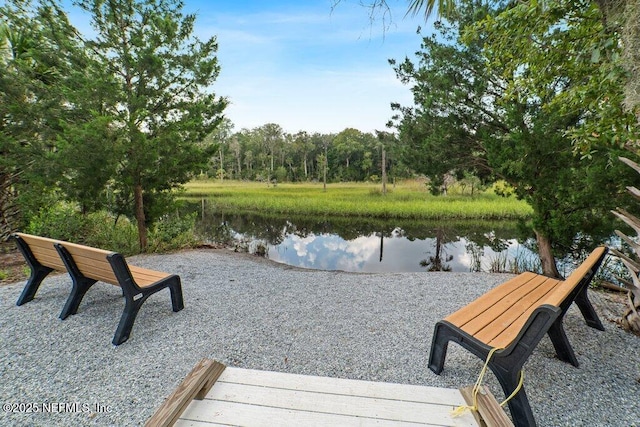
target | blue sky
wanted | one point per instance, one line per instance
(304, 65)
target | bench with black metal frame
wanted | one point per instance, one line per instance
(86, 266)
(513, 318)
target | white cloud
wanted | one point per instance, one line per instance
(309, 68)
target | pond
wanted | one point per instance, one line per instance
(372, 246)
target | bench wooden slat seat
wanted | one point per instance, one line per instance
(514, 317)
(86, 266)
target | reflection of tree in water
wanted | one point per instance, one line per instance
(438, 262)
(243, 228)
(475, 249)
(476, 252)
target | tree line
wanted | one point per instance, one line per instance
(268, 153)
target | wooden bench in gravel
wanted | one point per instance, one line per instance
(86, 266)
(512, 318)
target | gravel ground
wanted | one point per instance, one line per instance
(252, 313)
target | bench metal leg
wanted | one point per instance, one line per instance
(561, 343)
(175, 287)
(127, 319)
(518, 405)
(38, 273)
(81, 285)
(587, 310)
(133, 302)
(441, 336)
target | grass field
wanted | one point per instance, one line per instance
(408, 200)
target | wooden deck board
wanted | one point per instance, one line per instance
(250, 397)
(348, 387)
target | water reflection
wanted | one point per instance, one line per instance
(395, 253)
(373, 246)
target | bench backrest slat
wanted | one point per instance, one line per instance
(49, 259)
(43, 250)
(567, 286)
(91, 262)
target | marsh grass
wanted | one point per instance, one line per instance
(404, 201)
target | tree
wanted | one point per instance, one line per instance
(271, 137)
(160, 105)
(303, 146)
(221, 138)
(581, 59)
(348, 145)
(618, 16)
(621, 18)
(37, 54)
(464, 111)
(454, 97)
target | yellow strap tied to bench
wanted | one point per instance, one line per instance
(476, 388)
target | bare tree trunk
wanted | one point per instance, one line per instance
(324, 173)
(221, 165)
(140, 217)
(271, 152)
(384, 171)
(9, 210)
(546, 256)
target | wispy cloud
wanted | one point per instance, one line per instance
(305, 65)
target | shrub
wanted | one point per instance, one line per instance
(281, 174)
(107, 231)
(173, 232)
(64, 221)
(503, 188)
(60, 221)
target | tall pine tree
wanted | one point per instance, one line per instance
(150, 83)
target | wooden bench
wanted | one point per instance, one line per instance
(513, 317)
(86, 266)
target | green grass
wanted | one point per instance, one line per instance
(408, 200)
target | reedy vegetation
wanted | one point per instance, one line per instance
(407, 200)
